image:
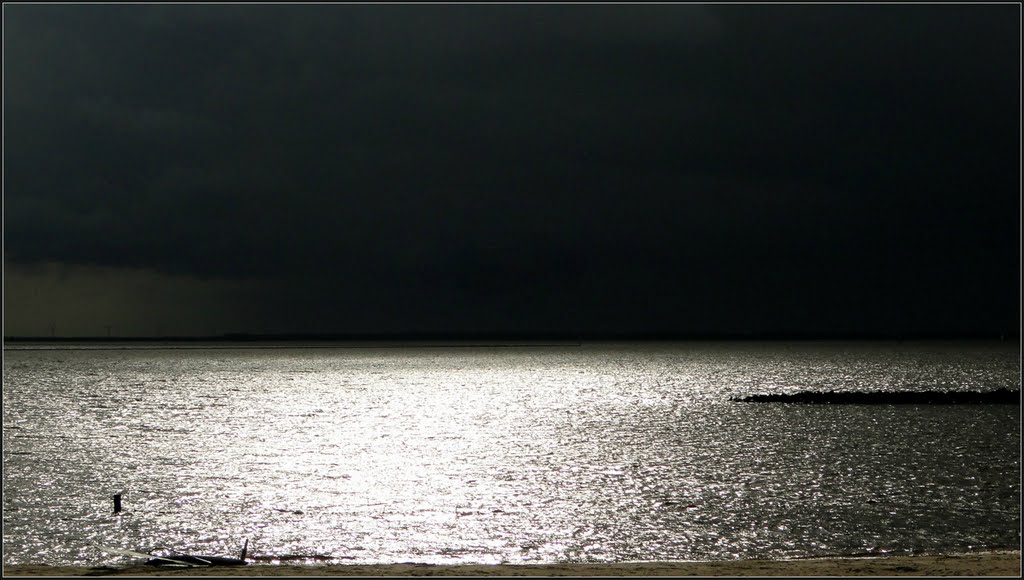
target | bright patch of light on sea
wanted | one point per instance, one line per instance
(598, 453)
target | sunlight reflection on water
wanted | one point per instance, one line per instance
(593, 453)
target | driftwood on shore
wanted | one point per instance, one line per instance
(998, 563)
(1000, 396)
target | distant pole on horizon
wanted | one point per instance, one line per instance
(108, 327)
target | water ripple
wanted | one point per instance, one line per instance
(597, 453)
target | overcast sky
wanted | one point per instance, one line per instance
(202, 169)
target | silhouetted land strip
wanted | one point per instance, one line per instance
(1000, 396)
(512, 337)
(1004, 563)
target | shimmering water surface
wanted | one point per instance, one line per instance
(598, 452)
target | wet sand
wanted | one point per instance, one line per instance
(1000, 563)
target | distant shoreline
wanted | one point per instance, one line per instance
(270, 345)
(271, 342)
(555, 339)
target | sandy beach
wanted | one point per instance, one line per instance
(1000, 563)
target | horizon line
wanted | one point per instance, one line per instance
(520, 336)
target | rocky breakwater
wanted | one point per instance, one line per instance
(999, 396)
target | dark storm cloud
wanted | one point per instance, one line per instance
(526, 166)
(359, 118)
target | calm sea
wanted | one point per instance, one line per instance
(598, 452)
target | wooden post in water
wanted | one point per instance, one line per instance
(117, 503)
